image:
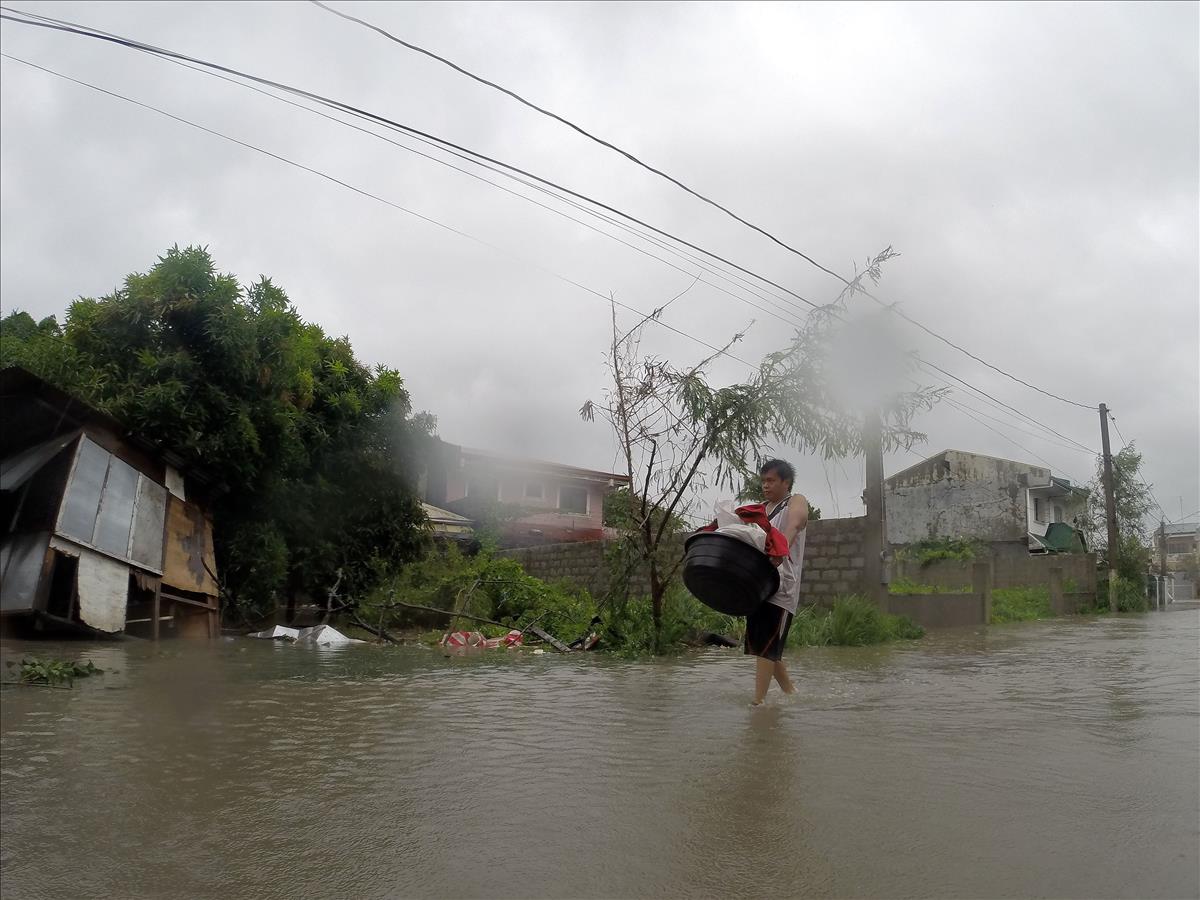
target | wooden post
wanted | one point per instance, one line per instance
(981, 581)
(1110, 511)
(154, 609)
(875, 531)
(1057, 606)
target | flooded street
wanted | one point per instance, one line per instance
(1052, 759)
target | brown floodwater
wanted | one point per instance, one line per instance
(1048, 759)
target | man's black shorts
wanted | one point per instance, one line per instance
(767, 630)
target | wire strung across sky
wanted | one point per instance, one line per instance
(283, 159)
(86, 31)
(545, 185)
(1149, 489)
(748, 286)
(632, 158)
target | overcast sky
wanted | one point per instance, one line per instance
(1035, 164)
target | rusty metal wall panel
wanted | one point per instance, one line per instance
(78, 517)
(21, 559)
(188, 554)
(115, 518)
(147, 545)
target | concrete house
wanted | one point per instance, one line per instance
(101, 532)
(1183, 541)
(1016, 507)
(555, 503)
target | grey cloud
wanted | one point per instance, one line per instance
(1035, 164)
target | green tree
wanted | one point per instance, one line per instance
(678, 433)
(313, 450)
(1133, 500)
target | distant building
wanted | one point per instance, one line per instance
(100, 530)
(446, 525)
(1183, 543)
(541, 502)
(1012, 505)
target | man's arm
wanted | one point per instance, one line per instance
(797, 517)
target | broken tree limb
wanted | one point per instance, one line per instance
(550, 639)
(378, 632)
(449, 613)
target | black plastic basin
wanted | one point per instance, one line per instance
(728, 575)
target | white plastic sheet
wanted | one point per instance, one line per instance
(731, 524)
(749, 534)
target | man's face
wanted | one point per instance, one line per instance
(774, 489)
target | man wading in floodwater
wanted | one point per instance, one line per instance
(767, 627)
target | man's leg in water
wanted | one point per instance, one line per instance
(781, 675)
(763, 670)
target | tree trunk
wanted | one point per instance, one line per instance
(657, 591)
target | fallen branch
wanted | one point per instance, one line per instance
(378, 632)
(448, 612)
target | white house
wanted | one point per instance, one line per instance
(956, 494)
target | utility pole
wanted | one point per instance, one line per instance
(875, 534)
(1110, 511)
(1162, 547)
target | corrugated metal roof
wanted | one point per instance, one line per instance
(444, 516)
(17, 469)
(1183, 528)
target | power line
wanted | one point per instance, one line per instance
(659, 172)
(579, 129)
(707, 267)
(925, 365)
(1032, 434)
(377, 198)
(1149, 490)
(966, 413)
(84, 31)
(446, 146)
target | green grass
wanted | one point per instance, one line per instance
(853, 622)
(933, 549)
(1020, 604)
(908, 586)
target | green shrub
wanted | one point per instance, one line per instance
(933, 549)
(1131, 596)
(1020, 604)
(480, 585)
(629, 625)
(908, 586)
(853, 622)
(56, 671)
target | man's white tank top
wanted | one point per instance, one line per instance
(788, 595)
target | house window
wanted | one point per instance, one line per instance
(534, 490)
(1179, 545)
(1058, 513)
(483, 489)
(1037, 510)
(573, 499)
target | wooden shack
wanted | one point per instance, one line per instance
(101, 531)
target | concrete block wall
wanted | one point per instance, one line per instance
(1008, 571)
(833, 562)
(581, 563)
